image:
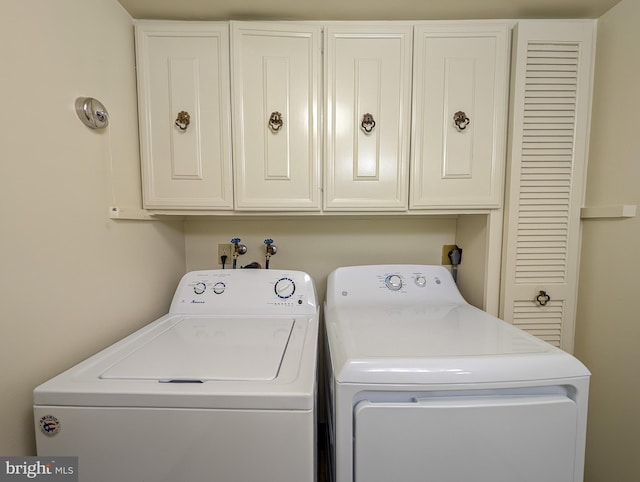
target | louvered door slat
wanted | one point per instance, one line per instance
(541, 99)
(545, 324)
(550, 113)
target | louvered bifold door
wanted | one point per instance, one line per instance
(550, 110)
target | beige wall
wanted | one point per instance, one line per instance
(608, 318)
(319, 245)
(71, 280)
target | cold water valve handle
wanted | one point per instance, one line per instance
(238, 249)
(271, 250)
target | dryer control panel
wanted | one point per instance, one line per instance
(378, 285)
(267, 292)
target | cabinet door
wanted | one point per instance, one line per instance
(459, 118)
(184, 67)
(276, 90)
(551, 104)
(368, 72)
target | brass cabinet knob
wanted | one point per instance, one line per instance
(275, 121)
(461, 120)
(368, 123)
(543, 298)
(183, 120)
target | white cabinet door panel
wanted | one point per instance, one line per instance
(460, 72)
(184, 67)
(276, 75)
(368, 72)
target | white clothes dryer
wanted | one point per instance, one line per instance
(423, 386)
(222, 388)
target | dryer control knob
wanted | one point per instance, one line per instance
(393, 282)
(421, 281)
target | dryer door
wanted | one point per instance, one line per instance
(495, 438)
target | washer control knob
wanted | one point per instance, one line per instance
(219, 288)
(200, 288)
(393, 282)
(284, 288)
(421, 281)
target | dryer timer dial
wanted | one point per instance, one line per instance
(393, 282)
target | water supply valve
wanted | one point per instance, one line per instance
(238, 249)
(272, 249)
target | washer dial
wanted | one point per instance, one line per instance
(393, 282)
(219, 287)
(285, 288)
(200, 288)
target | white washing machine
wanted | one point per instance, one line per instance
(222, 388)
(423, 386)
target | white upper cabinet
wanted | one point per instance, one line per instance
(368, 102)
(460, 91)
(184, 115)
(276, 73)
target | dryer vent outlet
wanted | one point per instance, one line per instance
(445, 253)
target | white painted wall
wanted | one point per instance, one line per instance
(71, 280)
(608, 317)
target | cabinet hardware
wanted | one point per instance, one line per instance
(367, 123)
(183, 120)
(461, 120)
(543, 298)
(275, 121)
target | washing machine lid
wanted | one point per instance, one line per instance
(438, 343)
(201, 349)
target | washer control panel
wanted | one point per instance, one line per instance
(245, 292)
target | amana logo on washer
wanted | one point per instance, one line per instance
(49, 425)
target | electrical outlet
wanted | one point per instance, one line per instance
(445, 253)
(224, 250)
